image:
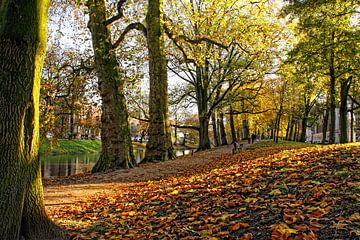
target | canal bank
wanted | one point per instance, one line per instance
(71, 157)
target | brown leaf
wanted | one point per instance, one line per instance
(238, 226)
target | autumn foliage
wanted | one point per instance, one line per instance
(264, 192)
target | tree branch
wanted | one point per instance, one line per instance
(173, 125)
(137, 25)
(236, 112)
(117, 16)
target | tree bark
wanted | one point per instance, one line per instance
(352, 122)
(245, 127)
(23, 27)
(325, 125)
(288, 130)
(277, 127)
(222, 130)
(291, 131)
(344, 93)
(202, 105)
(332, 95)
(159, 147)
(116, 151)
(215, 130)
(232, 126)
(303, 129)
(296, 131)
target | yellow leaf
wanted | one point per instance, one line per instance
(175, 192)
(355, 217)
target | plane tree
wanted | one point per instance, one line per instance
(217, 52)
(23, 30)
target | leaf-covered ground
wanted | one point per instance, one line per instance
(260, 193)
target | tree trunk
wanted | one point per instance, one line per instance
(277, 127)
(332, 97)
(215, 130)
(202, 105)
(295, 131)
(222, 130)
(159, 147)
(23, 27)
(344, 93)
(232, 126)
(303, 129)
(116, 151)
(352, 122)
(245, 127)
(204, 141)
(291, 131)
(325, 125)
(304, 122)
(288, 130)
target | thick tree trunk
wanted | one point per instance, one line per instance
(222, 130)
(116, 151)
(215, 130)
(204, 141)
(202, 105)
(23, 27)
(344, 93)
(159, 147)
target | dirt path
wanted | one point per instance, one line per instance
(66, 191)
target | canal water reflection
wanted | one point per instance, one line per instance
(67, 165)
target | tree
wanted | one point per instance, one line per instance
(218, 53)
(343, 111)
(159, 147)
(22, 51)
(330, 40)
(115, 133)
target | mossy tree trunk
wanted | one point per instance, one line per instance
(23, 27)
(116, 149)
(159, 147)
(201, 90)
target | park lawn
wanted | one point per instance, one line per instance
(300, 193)
(64, 146)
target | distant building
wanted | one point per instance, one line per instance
(315, 133)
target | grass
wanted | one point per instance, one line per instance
(63, 146)
(271, 143)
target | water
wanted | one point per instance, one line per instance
(67, 165)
